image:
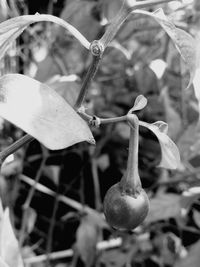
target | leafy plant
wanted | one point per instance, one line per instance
(47, 115)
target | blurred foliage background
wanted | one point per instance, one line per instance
(48, 192)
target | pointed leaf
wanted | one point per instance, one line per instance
(140, 103)
(183, 41)
(41, 112)
(9, 249)
(12, 28)
(170, 154)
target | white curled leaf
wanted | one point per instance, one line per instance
(41, 112)
(140, 103)
(170, 157)
(12, 28)
(184, 42)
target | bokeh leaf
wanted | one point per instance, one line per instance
(12, 28)
(163, 207)
(170, 158)
(41, 112)
(86, 239)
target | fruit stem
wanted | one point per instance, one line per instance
(130, 181)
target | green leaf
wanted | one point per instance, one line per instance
(140, 103)
(183, 41)
(12, 28)
(41, 112)
(170, 153)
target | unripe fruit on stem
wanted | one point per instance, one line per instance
(124, 211)
(126, 204)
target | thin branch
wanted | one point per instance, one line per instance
(15, 146)
(94, 120)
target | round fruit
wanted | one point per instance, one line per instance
(125, 211)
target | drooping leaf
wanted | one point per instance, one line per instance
(12, 28)
(41, 112)
(140, 103)
(170, 157)
(163, 207)
(192, 258)
(9, 249)
(183, 41)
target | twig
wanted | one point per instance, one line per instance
(103, 245)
